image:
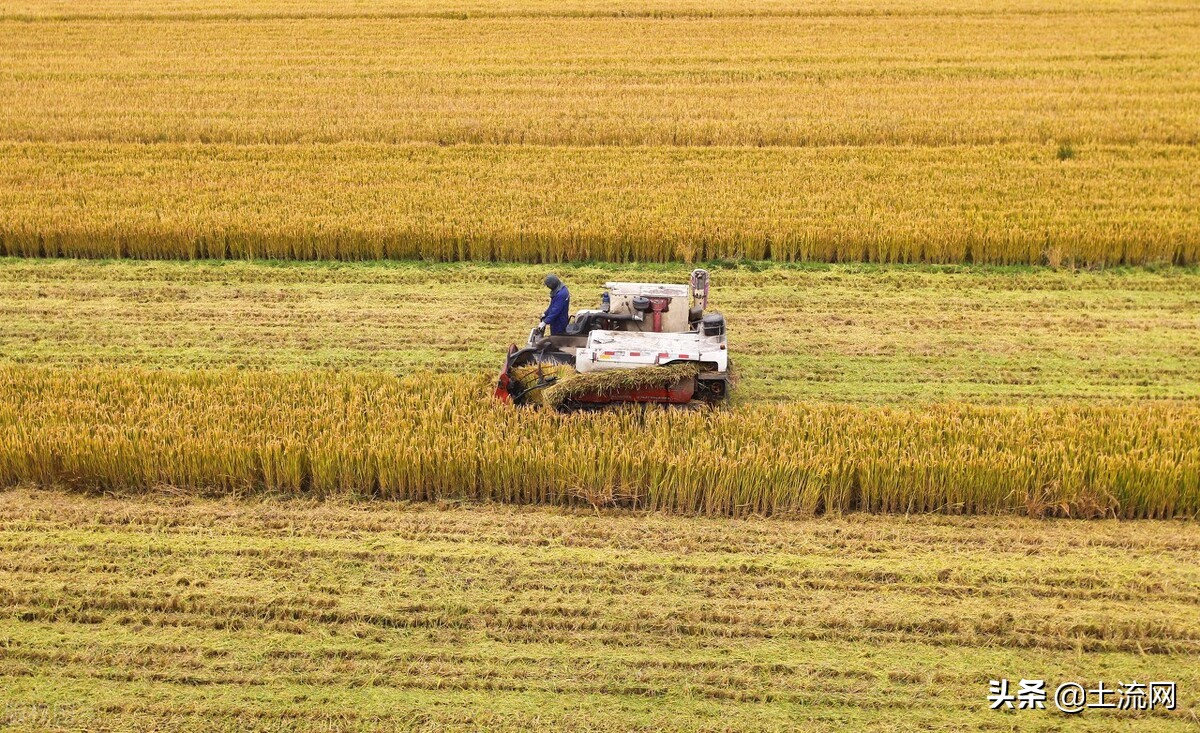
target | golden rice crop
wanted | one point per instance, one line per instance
(425, 437)
(985, 204)
(1033, 131)
(59, 10)
(892, 73)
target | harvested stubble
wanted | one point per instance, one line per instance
(838, 333)
(156, 613)
(426, 437)
(172, 615)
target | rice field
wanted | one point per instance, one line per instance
(422, 437)
(1035, 132)
(964, 73)
(260, 260)
(984, 204)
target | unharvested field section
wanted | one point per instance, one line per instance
(172, 615)
(1014, 203)
(930, 79)
(428, 437)
(90, 10)
(1026, 132)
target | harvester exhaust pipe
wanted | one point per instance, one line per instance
(656, 306)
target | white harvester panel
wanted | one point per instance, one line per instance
(629, 349)
(675, 319)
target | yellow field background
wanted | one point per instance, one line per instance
(467, 9)
(1017, 132)
(936, 78)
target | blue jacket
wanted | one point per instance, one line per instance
(559, 312)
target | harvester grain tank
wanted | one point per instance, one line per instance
(647, 343)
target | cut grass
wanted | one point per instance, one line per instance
(199, 615)
(617, 380)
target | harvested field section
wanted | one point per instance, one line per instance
(182, 615)
(842, 333)
(424, 437)
(985, 204)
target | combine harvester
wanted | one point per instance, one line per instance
(648, 343)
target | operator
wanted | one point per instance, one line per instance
(559, 312)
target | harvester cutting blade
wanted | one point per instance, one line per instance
(528, 372)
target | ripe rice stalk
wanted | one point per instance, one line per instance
(994, 204)
(784, 73)
(605, 130)
(364, 435)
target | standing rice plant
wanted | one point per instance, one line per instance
(429, 437)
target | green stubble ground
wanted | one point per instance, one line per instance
(845, 333)
(183, 615)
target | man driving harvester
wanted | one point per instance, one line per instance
(559, 312)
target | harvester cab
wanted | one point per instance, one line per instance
(648, 342)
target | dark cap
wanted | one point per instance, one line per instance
(552, 281)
